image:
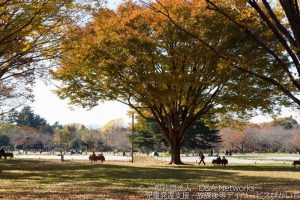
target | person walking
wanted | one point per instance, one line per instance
(201, 156)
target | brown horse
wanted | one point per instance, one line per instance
(296, 162)
(6, 155)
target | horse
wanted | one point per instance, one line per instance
(296, 162)
(11, 155)
(101, 158)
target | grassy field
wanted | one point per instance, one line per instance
(35, 179)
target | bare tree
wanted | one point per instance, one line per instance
(114, 135)
(263, 138)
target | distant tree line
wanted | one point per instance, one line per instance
(279, 135)
(25, 130)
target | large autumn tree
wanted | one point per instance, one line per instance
(281, 22)
(30, 33)
(138, 57)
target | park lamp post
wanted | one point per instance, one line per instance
(132, 116)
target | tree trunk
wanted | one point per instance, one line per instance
(175, 151)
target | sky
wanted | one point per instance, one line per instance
(53, 109)
(49, 106)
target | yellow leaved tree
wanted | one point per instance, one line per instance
(138, 57)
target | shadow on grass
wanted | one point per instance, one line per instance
(284, 168)
(74, 178)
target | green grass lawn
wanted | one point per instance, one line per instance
(35, 179)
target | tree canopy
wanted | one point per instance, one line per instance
(138, 57)
(281, 21)
(30, 34)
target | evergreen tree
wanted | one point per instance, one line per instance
(26, 117)
(4, 140)
(56, 126)
(198, 136)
